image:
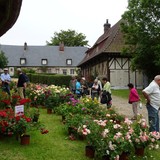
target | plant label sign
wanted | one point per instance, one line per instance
(19, 110)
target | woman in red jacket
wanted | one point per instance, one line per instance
(133, 99)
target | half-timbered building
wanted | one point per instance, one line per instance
(104, 59)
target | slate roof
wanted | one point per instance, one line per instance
(111, 41)
(34, 55)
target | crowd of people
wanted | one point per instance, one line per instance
(95, 89)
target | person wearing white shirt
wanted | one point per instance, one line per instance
(6, 79)
(152, 95)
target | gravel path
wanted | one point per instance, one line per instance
(123, 107)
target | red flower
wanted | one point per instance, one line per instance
(7, 101)
(44, 131)
(5, 123)
(23, 101)
(18, 118)
(3, 129)
(16, 97)
(28, 119)
(3, 114)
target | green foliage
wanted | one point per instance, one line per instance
(3, 60)
(69, 38)
(28, 70)
(52, 101)
(59, 80)
(142, 34)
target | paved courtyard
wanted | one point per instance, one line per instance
(123, 107)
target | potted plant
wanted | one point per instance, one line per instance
(35, 114)
(22, 125)
(52, 102)
(141, 135)
(73, 121)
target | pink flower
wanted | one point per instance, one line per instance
(116, 126)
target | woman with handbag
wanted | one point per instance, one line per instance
(106, 93)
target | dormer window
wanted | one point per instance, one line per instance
(44, 62)
(69, 61)
(22, 61)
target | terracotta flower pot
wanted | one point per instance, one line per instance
(35, 118)
(89, 151)
(105, 157)
(63, 118)
(124, 156)
(25, 140)
(81, 137)
(139, 151)
(49, 111)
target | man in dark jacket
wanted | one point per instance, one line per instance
(21, 85)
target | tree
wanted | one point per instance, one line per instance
(69, 38)
(3, 60)
(141, 28)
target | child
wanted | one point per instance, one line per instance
(133, 99)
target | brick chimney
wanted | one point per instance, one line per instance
(25, 46)
(106, 26)
(61, 46)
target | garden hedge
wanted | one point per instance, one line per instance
(49, 79)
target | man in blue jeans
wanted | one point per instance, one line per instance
(152, 95)
(6, 79)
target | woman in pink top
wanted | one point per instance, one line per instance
(133, 99)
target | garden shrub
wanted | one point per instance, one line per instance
(59, 80)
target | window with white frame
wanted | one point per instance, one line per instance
(22, 61)
(69, 61)
(64, 71)
(44, 62)
(71, 71)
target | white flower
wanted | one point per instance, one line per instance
(84, 126)
(156, 146)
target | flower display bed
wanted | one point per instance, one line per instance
(110, 134)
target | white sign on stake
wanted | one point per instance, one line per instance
(19, 110)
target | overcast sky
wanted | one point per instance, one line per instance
(39, 19)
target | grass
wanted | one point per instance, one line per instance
(52, 146)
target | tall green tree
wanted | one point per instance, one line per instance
(141, 27)
(3, 60)
(69, 38)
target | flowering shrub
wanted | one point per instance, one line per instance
(37, 94)
(22, 124)
(112, 139)
(141, 137)
(4, 100)
(6, 122)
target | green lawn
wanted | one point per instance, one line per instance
(124, 93)
(52, 146)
